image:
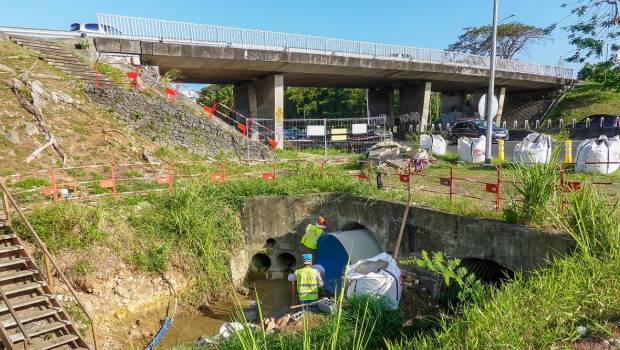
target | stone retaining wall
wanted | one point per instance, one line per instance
(175, 125)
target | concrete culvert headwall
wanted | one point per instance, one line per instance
(260, 263)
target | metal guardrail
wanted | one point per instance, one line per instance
(40, 32)
(210, 35)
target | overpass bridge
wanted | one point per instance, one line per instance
(261, 63)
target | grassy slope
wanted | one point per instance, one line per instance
(90, 135)
(586, 100)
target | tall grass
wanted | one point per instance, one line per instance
(360, 323)
(544, 309)
(535, 188)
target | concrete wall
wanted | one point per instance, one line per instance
(175, 125)
(285, 218)
(381, 102)
(270, 103)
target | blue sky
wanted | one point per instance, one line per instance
(421, 23)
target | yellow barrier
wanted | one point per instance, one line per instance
(500, 150)
(568, 151)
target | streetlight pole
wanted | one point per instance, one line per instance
(491, 92)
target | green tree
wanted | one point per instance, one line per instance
(597, 25)
(606, 73)
(324, 102)
(217, 92)
(512, 38)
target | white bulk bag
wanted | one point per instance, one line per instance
(535, 148)
(434, 144)
(600, 155)
(378, 275)
(472, 150)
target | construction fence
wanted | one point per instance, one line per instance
(351, 134)
(491, 188)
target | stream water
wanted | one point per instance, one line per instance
(275, 297)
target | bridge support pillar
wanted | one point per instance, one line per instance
(381, 102)
(245, 99)
(415, 100)
(500, 98)
(270, 103)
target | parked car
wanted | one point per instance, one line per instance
(96, 28)
(609, 121)
(295, 134)
(475, 128)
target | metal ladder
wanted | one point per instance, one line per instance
(31, 317)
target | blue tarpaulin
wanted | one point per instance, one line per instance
(337, 249)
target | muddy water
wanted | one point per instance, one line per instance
(275, 296)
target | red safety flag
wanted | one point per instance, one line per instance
(170, 92)
(572, 186)
(269, 176)
(492, 188)
(273, 143)
(242, 128)
(218, 177)
(404, 177)
(362, 177)
(49, 191)
(106, 183)
(445, 181)
(132, 75)
(208, 109)
(166, 179)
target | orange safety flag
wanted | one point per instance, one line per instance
(170, 92)
(49, 191)
(208, 109)
(572, 186)
(218, 177)
(273, 143)
(404, 178)
(362, 177)
(242, 127)
(269, 176)
(492, 188)
(106, 183)
(132, 75)
(166, 179)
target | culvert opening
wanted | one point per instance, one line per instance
(351, 226)
(286, 261)
(487, 271)
(270, 243)
(261, 262)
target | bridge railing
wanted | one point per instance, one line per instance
(210, 35)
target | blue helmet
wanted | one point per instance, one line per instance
(307, 257)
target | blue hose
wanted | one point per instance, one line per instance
(160, 334)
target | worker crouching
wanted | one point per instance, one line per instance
(308, 281)
(313, 233)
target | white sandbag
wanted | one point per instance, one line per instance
(472, 150)
(435, 144)
(600, 155)
(535, 148)
(378, 275)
